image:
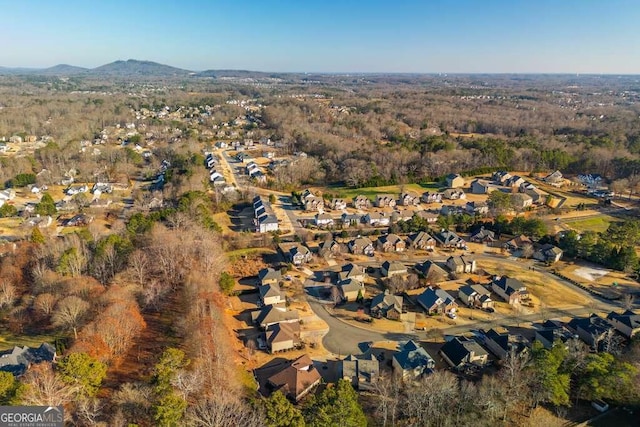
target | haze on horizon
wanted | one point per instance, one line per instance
(413, 36)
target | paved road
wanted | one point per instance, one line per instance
(226, 162)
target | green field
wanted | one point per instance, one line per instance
(598, 223)
(9, 340)
(370, 192)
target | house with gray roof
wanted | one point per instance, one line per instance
(19, 359)
(437, 301)
(362, 371)
(461, 351)
(386, 305)
(412, 361)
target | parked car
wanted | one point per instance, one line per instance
(600, 405)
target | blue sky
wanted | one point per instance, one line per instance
(456, 36)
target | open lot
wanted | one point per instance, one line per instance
(598, 223)
(608, 282)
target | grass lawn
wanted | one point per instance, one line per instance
(598, 223)
(233, 255)
(9, 340)
(370, 192)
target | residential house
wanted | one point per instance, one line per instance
(481, 186)
(272, 314)
(282, 337)
(627, 323)
(391, 243)
(501, 343)
(548, 253)
(477, 208)
(352, 271)
(265, 219)
(376, 219)
(271, 294)
(521, 201)
(509, 289)
(362, 371)
(514, 181)
(214, 176)
(269, 276)
(429, 217)
(401, 215)
(432, 272)
(19, 359)
(338, 204)
(453, 194)
(351, 290)
(554, 178)
(517, 243)
(314, 203)
(536, 197)
(361, 245)
(422, 241)
(483, 236)
(448, 210)
(361, 202)
(454, 180)
(592, 180)
(295, 253)
(552, 331)
(386, 305)
(350, 220)
(450, 240)
(429, 197)
(500, 177)
(461, 351)
(296, 379)
(385, 201)
(329, 248)
(79, 220)
(323, 220)
(393, 268)
(592, 330)
(412, 361)
(409, 199)
(437, 301)
(475, 295)
(461, 264)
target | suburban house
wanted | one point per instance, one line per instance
(481, 186)
(361, 245)
(296, 379)
(376, 219)
(592, 180)
(412, 361)
(271, 294)
(391, 243)
(323, 220)
(428, 197)
(269, 276)
(19, 359)
(338, 204)
(361, 202)
(313, 203)
(422, 241)
(295, 253)
(385, 201)
(437, 301)
(514, 181)
(501, 343)
(351, 271)
(265, 220)
(509, 289)
(361, 370)
(349, 220)
(475, 295)
(461, 351)
(449, 239)
(483, 236)
(501, 177)
(592, 330)
(432, 272)
(461, 264)
(272, 314)
(477, 208)
(401, 215)
(454, 180)
(554, 178)
(453, 194)
(351, 289)
(521, 201)
(329, 248)
(393, 268)
(627, 323)
(552, 331)
(429, 217)
(282, 337)
(548, 253)
(409, 199)
(386, 305)
(536, 196)
(517, 243)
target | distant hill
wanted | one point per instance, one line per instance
(60, 70)
(134, 68)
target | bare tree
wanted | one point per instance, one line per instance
(221, 411)
(88, 410)
(387, 391)
(187, 383)
(336, 296)
(44, 303)
(8, 294)
(527, 251)
(44, 388)
(628, 301)
(69, 313)
(139, 266)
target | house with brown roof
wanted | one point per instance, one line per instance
(517, 243)
(422, 241)
(429, 217)
(329, 248)
(296, 379)
(272, 314)
(393, 268)
(432, 272)
(391, 243)
(282, 337)
(386, 305)
(361, 245)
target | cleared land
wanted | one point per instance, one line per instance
(598, 223)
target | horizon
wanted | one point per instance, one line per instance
(498, 37)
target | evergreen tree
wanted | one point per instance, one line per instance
(279, 412)
(335, 406)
